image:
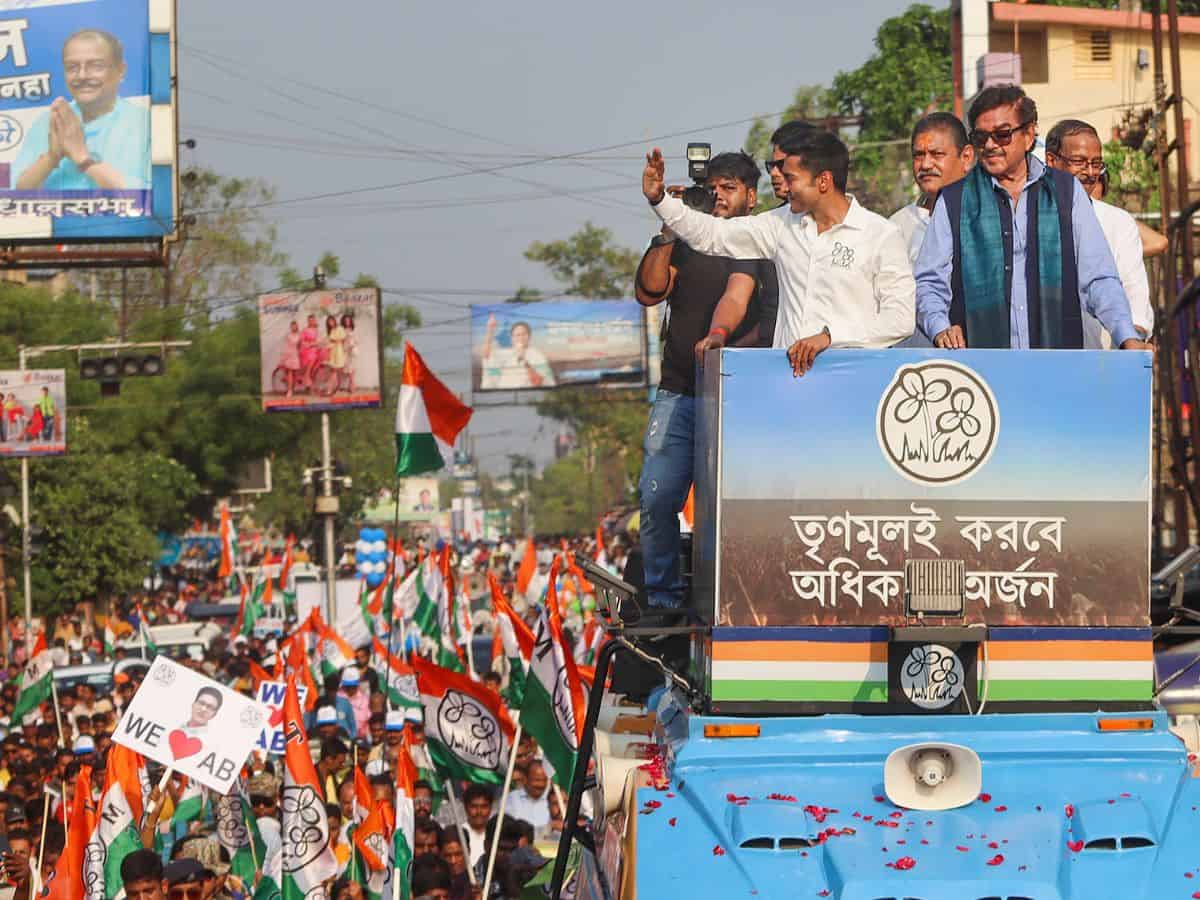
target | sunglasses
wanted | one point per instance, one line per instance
(772, 164)
(1002, 136)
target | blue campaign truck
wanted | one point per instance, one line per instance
(920, 661)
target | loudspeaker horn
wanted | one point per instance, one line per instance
(614, 772)
(932, 776)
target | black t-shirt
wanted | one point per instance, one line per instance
(699, 283)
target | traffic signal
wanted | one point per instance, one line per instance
(109, 370)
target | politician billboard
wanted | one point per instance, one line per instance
(87, 123)
(554, 343)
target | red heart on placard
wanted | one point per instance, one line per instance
(276, 716)
(182, 745)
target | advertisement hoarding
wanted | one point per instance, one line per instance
(825, 485)
(87, 120)
(418, 498)
(320, 350)
(33, 413)
(556, 343)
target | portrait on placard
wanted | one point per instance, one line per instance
(208, 740)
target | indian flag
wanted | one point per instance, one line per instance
(516, 643)
(35, 684)
(110, 636)
(553, 707)
(428, 418)
(467, 729)
(144, 628)
(66, 882)
(308, 860)
(254, 606)
(333, 651)
(272, 875)
(402, 836)
(115, 830)
(237, 830)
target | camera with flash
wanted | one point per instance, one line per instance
(699, 196)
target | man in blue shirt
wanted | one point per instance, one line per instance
(1014, 252)
(97, 141)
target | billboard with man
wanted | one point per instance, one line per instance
(535, 346)
(320, 350)
(87, 120)
(33, 413)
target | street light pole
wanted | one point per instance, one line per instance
(328, 506)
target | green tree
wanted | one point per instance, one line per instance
(588, 263)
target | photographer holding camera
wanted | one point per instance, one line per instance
(694, 284)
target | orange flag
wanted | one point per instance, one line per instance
(528, 566)
(66, 883)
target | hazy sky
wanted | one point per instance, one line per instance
(321, 99)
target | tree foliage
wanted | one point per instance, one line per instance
(588, 263)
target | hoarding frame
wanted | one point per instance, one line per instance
(158, 229)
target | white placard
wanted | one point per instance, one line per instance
(270, 694)
(192, 724)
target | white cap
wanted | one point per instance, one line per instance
(84, 744)
(326, 715)
(414, 715)
(350, 676)
(375, 767)
(395, 720)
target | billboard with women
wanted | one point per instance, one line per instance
(33, 413)
(320, 350)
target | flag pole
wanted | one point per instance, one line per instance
(57, 713)
(512, 759)
(392, 585)
(250, 828)
(42, 839)
(462, 832)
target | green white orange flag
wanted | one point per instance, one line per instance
(237, 831)
(114, 833)
(554, 705)
(254, 606)
(66, 883)
(403, 836)
(308, 860)
(190, 806)
(229, 547)
(35, 684)
(467, 730)
(428, 418)
(369, 864)
(396, 678)
(516, 643)
(332, 650)
(432, 614)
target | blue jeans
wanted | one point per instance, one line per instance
(666, 477)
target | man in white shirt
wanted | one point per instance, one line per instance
(844, 275)
(517, 366)
(530, 803)
(1074, 146)
(941, 155)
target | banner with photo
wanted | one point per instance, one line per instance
(557, 343)
(320, 350)
(1033, 468)
(33, 413)
(87, 120)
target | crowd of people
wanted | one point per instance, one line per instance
(354, 736)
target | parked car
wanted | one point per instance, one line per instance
(98, 675)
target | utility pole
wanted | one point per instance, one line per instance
(327, 503)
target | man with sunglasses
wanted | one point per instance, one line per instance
(1073, 146)
(1014, 254)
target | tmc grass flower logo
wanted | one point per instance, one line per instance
(938, 422)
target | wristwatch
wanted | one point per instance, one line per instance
(661, 240)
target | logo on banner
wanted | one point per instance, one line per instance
(938, 422)
(469, 730)
(932, 676)
(11, 132)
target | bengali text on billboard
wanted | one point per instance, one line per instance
(87, 123)
(556, 343)
(320, 350)
(33, 413)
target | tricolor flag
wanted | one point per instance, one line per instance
(66, 882)
(115, 830)
(402, 836)
(369, 864)
(467, 730)
(527, 569)
(308, 860)
(229, 545)
(601, 554)
(396, 678)
(110, 637)
(254, 606)
(333, 653)
(34, 685)
(554, 704)
(237, 830)
(516, 643)
(361, 803)
(190, 807)
(432, 614)
(428, 418)
(144, 628)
